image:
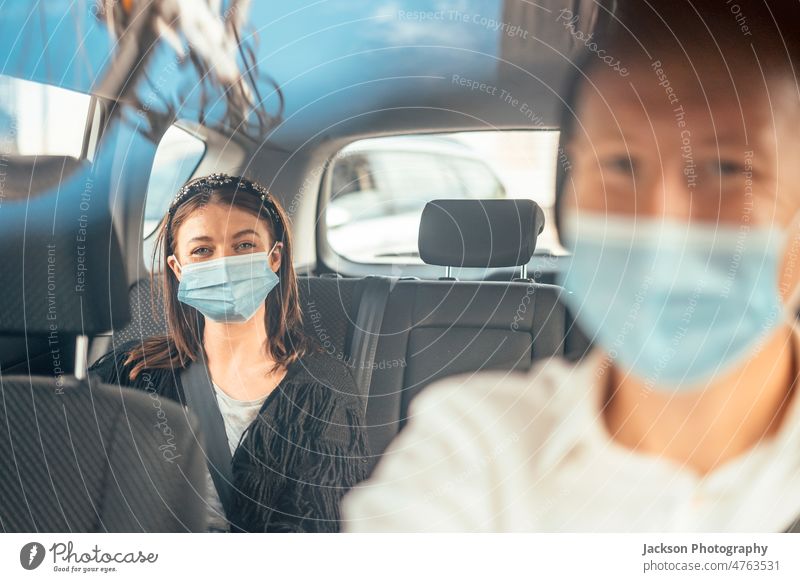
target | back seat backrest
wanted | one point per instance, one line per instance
(330, 309)
(435, 329)
(147, 314)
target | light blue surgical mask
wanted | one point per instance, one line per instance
(230, 289)
(674, 303)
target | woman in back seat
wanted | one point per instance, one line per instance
(292, 417)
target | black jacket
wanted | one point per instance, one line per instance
(303, 452)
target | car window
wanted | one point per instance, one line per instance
(177, 157)
(354, 192)
(477, 180)
(38, 119)
(378, 187)
(409, 179)
(351, 174)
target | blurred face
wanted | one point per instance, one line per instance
(680, 214)
(218, 230)
(669, 142)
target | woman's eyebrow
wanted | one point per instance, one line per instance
(201, 239)
(246, 231)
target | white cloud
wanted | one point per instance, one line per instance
(440, 23)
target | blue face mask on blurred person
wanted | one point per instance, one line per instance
(230, 289)
(675, 303)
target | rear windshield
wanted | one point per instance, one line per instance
(378, 187)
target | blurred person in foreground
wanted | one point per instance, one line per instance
(679, 203)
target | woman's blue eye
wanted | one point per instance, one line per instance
(245, 246)
(201, 251)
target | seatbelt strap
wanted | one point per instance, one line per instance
(368, 328)
(201, 400)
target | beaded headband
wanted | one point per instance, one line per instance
(207, 184)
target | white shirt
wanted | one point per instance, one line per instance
(529, 452)
(237, 415)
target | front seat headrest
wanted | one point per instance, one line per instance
(479, 233)
(60, 260)
(27, 175)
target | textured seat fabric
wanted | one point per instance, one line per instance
(330, 308)
(147, 314)
(435, 329)
(61, 262)
(85, 457)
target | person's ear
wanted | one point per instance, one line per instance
(173, 264)
(275, 257)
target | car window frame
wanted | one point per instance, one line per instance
(146, 237)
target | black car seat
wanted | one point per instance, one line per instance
(77, 455)
(435, 329)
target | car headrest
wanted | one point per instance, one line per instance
(26, 175)
(60, 260)
(479, 233)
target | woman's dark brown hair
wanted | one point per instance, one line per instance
(183, 342)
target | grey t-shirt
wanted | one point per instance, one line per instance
(238, 415)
